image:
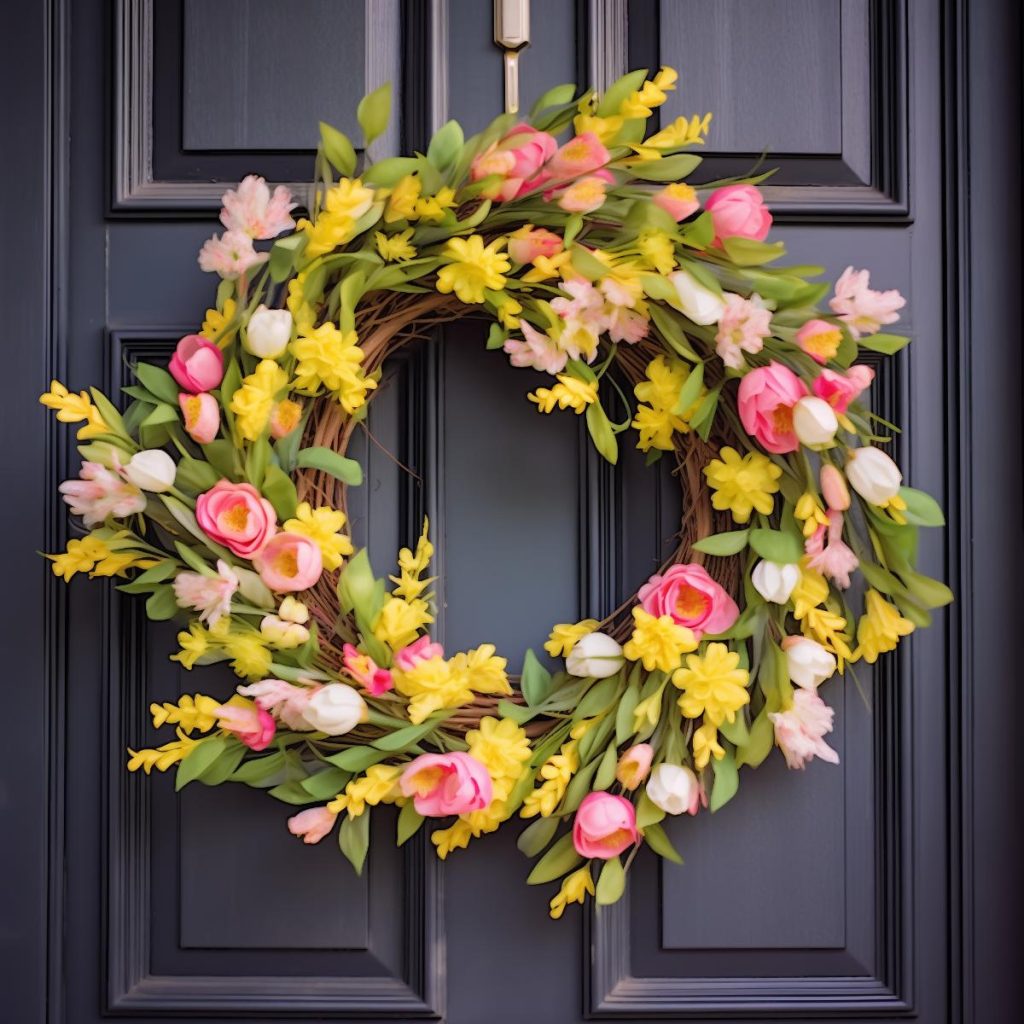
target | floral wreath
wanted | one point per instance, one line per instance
(219, 491)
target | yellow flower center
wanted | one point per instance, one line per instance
(287, 564)
(691, 603)
(236, 519)
(782, 419)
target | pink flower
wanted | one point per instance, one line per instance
(286, 700)
(766, 399)
(604, 826)
(832, 558)
(419, 650)
(839, 390)
(525, 246)
(800, 730)
(248, 721)
(585, 302)
(230, 255)
(738, 211)
(691, 597)
(819, 339)
(742, 328)
(366, 672)
(833, 488)
(516, 158)
(197, 364)
(863, 310)
(289, 562)
(101, 493)
(583, 196)
(253, 211)
(678, 200)
(536, 350)
(201, 414)
(208, 595)
(579, 156)
(634, 765)
(312, 824)
(444, 784)
(236, 516)
(627, 325)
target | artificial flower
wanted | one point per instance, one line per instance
(765, 404)
(208, 595)
(691, 598)
(775, 582)
(218, 324)
(284, 418)
(743, 484)
(596, 655)
(395, 248)
(814, 422)
(472, 266)
(536, 350)
(584, 195)
(72, 408)
(289, 562)
(738, 211)
(402, 200)
(566, 635)
(335, 709)
(248, 721)
(253, 403)
(515, 161)
(677, 199)
(580, 156)
(422, 649)
(674, 788)
(706, 746)
(197, 364)
(250, 658)
(873, 475)
(443, 784)
(575, 889)
(253, 210)
(268, 332)
(557, 772)
(634, 765)
(312, 824)
(525, 244)
(808, 664)
(400, 621)
(100, 493)
(378, 786)
(604, 826)
(657, 420)
(330, 358)
(833, 488)
(230, 255)
(322, 526)
(201, 415)
(863, 310)
(840, 389)
(712, 684)
(696, 301)
(880, 628)
(742, 327)
(344, 204)
(819, 339)
(151, 470)
(432, 209)
(659, 642)
(366, 672)
(568, 393)
(286, 700)
(829, 554)
(800, 730)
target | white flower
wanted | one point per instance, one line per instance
(700, 304)
(814, 421)
(807, 662)
(873, 475)
(335, 709)
(287, 628)
(596, 655)
(268, 332)
(151, 470)
(674, 788)
(775, 582)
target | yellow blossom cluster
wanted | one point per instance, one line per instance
(378, 786)
(218, 325)
(810, 512)
(72, 408)
(471, 267)
(566, 635)
(330, 358)
(100, 556)
(395, 248)
(880, 628)
(247, 649)
(190, 713)
(254, 401)
(163, 757)
(568, 393)
(657, 419)
(557, 771)
(323, 526)
(659, 642)
(406, 203)
(434, 684)
(575, 889)
(338, 219)
(818, 621)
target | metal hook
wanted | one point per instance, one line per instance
(512, 34)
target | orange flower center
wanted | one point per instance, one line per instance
(824, 344)
(287, 564)
(616, 838)
(236, 519)
(782, 419)
(691, 603)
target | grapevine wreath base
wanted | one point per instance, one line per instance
(660, 314)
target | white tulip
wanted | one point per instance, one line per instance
(807, 662)
(873, 475)
(596, 655)
(775, 582)
(268, 332)
(700, 304)
(335, 709)
(674, 788)
(814, 421)
(151, 470)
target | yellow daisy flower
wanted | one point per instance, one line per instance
(323, 526)
(713, 685)
(742, 484)
(658, 642)
(472, 268)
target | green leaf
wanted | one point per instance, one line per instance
(401, 739)
(668, 168)
(776, 546)
(279, 490)
(597, 698)
(557, 96)
(537, 835)
(887, 344)
(496, 336)
(624, 712)
(736, 731)
(374, 112)
(354, 839)
(161, 414)
(159, 382)
(703, 419)
(759, 742)
(348, 471)
(446, 145)
(723, 544)
(283, 254)
(107, 410)
(558, 861)
(259, 770)
(221, 455)
(338, 149)
(922, 509)
(668, 324)
(357, 587)
(517, 712)
(193, 560)
(357, 759)
(224, 766)
(748, 252)
(389, 172)
(606, 770)
(195, 474)
(161, 604)
(700, 232)
(611, 883)
(291, 793)
(410, 821)
(327, 784)
(727, 781)
(660, 843)
(931, 593)
(145, 582)
(690, 390)
(199, 759)
(535, 681)
(619, 91)
(585, 263)
(648, 813)
(601, 432)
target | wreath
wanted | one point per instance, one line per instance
(660, 314)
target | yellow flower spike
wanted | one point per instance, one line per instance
(743, 484)
(330, 358)
(816, 621)
(706, 746)
(656, 421)
(81, 555)
(72, 408)
(343, 205)
(557, 771)
(395, 248)
(648, 711)
(810, 512)
(568, 393)
(880, 628)
(197, 713)
(482, 670)
(194, 643)
(217, 322)
(161, 758)
(456, 837)
(400, 622)
(472, 267)
(666, 78)
(565, 636)
(322, 526)
(508, 310)
(378, 786)
(681, 132)
(575, 889)
(658, 642)
(546, 267)
(249, 653)
(253, 402)
(402, 199)
(433, 208)
(301, 311)
(713, 685)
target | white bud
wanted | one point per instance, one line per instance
(814, 421)
(335, 709)
(674, 788)
(807, 662)
(596, 655)
(700, 304)
(268, 332)
(151, 470)
(775, 582)
(873, 475)
(284, 634)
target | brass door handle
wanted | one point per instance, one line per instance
(512, 34)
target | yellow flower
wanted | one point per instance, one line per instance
(575, 888)
(605, 128)
(322, 526)
(251, 658)
(336, 223)
(329, 358)
(456, 837)
(472, 268)
(546, 267)
(880, 628)
(402, 199)
(566, 635)
(163, 757)
(433, 208)
(809, 511)
(819, 623)
(483, 670)
(215, 326)
(301, 311)
(713, 685)
(81, 556)
(568, 393)
(656, 421)
(681, 132)
(411, 565)
(194, 643)
(705, 744)
(72, 408)
(284, 417)
(199, 712)
(378, 786)
(556, 771)
(401, 621)
(896, 506)
(743, 483)
(501, 746)
(253, 402)
(648, 711)
(658, 250)
(396, 248)
(658, 642)
(431, 685)
(823, 344)
(508, 310)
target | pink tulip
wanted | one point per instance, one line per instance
(208, 595)
(517, 158)
(634, 765)
(604, 826)
(820, 340)
(766, 399)
(101, 493)
(249, 722)
(366, 672)
(201, 414)
(197, 364)
(230, 255)
(419, 650)
(526, 246)
(580, 155)
(444, 784)
(800, 731)
(285, 700)
(863, 310)
(678, 200)
(312, 824)
(237, 516)
(738, 211)
(691, 597)
(584, 195)
(839, 390)
(289, 562)
(254, 211)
